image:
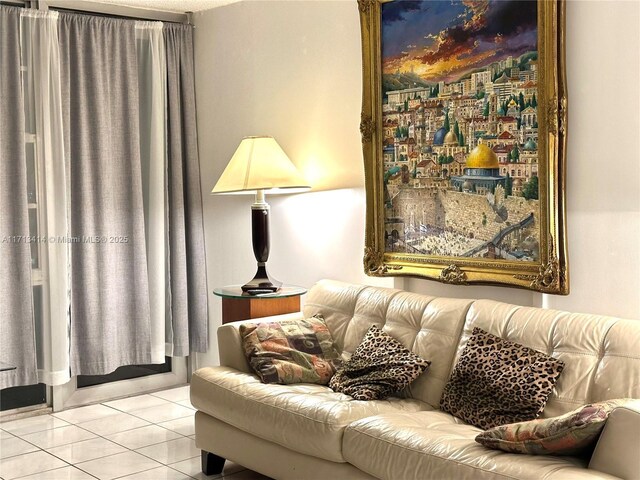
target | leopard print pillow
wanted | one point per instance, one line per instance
(496, 382)
(379, 367)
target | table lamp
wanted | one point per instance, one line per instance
(260, 165)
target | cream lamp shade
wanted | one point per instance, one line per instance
(261, 166)
(259, 163)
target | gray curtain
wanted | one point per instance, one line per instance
(109, 289)
(187, 322)
(17, 343)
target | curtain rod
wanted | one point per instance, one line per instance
(112, 10)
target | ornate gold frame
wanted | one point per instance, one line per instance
(550, 274)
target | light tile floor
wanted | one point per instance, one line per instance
(136, 438)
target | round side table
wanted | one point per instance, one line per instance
(238, 305)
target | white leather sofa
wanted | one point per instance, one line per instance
(306, 431)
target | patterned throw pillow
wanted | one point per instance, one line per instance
(379, 367)
(496, 381)
(291, 351)
(568, 434)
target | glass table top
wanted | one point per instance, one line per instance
(235, 291)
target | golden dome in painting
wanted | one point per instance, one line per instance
(482, 157)
(450, 138)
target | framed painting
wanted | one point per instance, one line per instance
(464, 135)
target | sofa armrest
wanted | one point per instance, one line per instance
(618, 449)
(230, 345)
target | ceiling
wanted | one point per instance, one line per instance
(170, 5)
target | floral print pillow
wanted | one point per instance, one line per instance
(291, 351)
(568, 434)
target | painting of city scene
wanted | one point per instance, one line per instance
(460, 128)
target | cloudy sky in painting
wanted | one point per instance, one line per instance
(443, 40)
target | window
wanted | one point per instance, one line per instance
(18, 397)
(35, 196)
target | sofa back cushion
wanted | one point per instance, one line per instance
(601, 354)
(428, 326)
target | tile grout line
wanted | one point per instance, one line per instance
(128, 430)
(26, 441)
(113, 454)
(160, 464)
(40, 431)
(40, 449)
(45, 470)
(68, 464)
(125, 447)
(163, 465)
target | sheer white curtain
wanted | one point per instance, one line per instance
(41, 57)
(152, 82)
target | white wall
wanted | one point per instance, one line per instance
(293, 70)
(603, 167)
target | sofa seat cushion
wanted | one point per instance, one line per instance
(306, 418)
(434, 444)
